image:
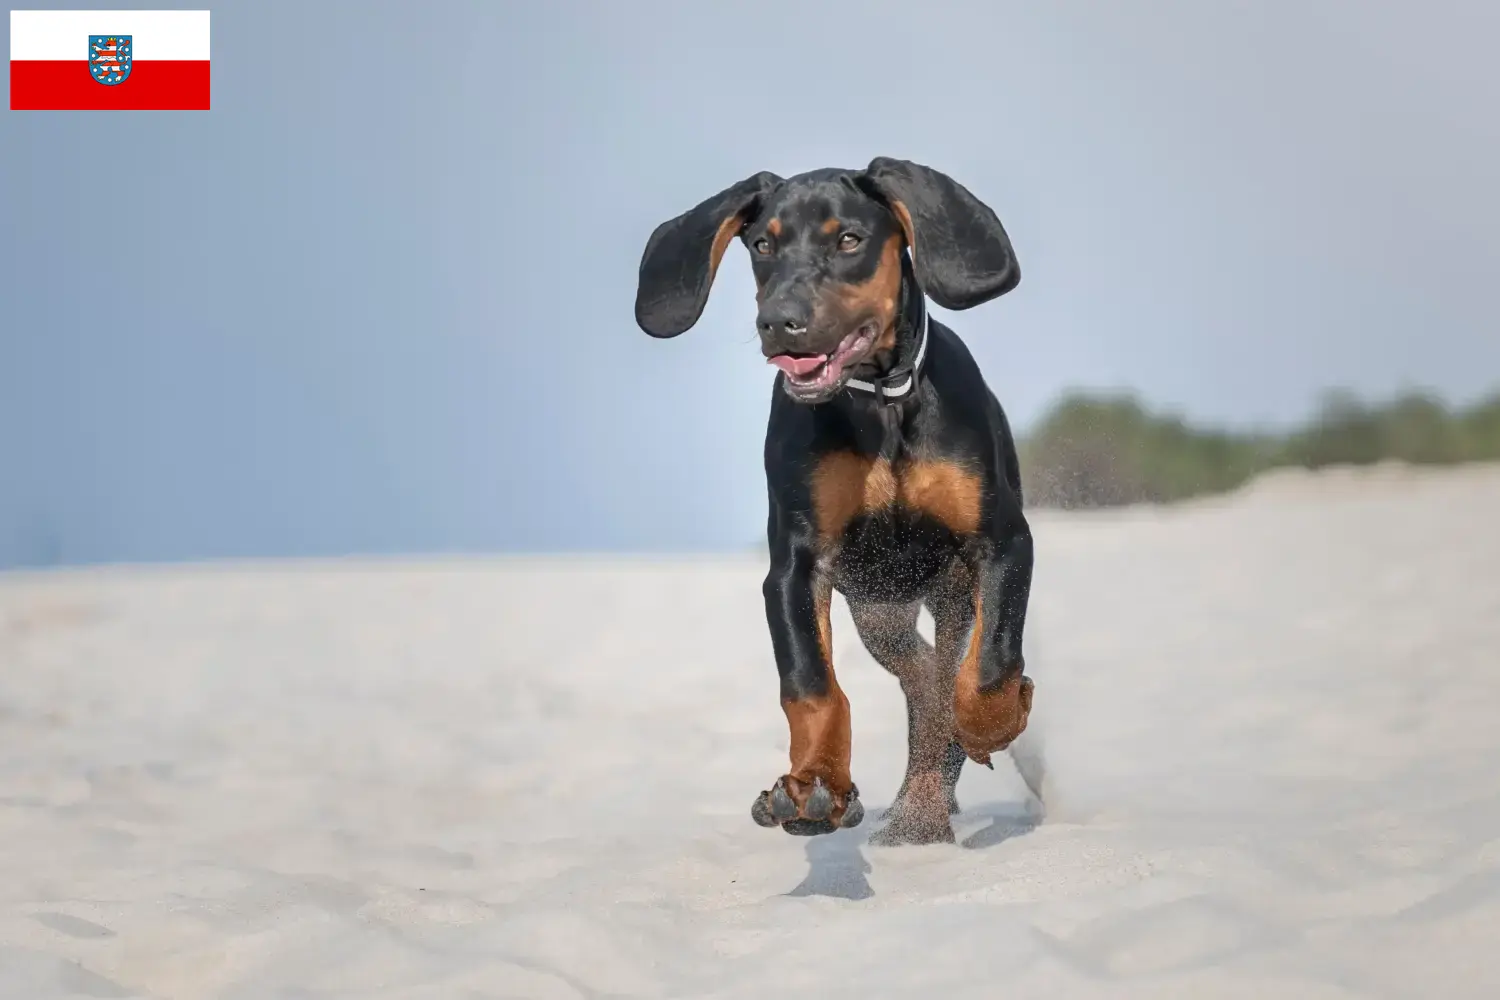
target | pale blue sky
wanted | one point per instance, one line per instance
(379, 299)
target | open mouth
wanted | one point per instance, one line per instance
(816, 374)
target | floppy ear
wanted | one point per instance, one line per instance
(962, 256)
(682, 255)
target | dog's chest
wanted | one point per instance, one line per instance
(890, 527)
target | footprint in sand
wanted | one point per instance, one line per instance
(65, 923)
(27, 973)
(1164, 937)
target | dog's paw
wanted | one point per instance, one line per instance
(986, 723)
(905, 828)
(920, 816)
(807, 809)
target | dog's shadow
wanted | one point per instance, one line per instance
(837, 866)
(1008, 820)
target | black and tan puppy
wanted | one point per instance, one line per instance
(891, 469)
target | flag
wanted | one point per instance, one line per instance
(88, 60)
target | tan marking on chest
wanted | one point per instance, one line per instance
(948, 492)
(845, 485)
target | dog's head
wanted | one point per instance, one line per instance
(827, 251)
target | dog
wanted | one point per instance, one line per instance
(891, 470)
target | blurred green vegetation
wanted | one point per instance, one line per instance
(1101, 450)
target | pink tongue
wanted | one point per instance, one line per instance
(798, 366)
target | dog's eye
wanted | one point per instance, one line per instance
(849, 241)
(761, 246)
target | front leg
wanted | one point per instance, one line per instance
(816, 795)
(992, 696)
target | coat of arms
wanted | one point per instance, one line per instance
(109, 58)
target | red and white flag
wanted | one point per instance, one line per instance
(97, 60)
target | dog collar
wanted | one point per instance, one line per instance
(897, 383)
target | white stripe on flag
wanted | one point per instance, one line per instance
(64, 34)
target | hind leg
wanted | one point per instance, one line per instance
(979, 630)
(921, 810)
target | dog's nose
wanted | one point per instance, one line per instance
(783, 318)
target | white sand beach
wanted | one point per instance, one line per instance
(1270, 724)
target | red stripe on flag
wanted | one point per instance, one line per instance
(67, 85)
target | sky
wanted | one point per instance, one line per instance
(379, 299)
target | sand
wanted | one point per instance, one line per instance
(1270, 725)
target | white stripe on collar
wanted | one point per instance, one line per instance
(899, 389)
